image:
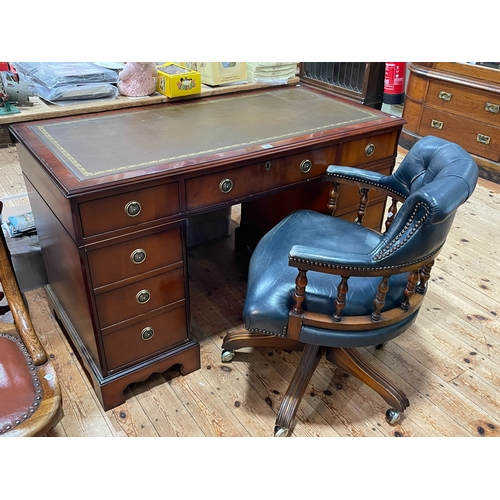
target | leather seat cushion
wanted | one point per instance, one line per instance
(17, 390)
(271, 280)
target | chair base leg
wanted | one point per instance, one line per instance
(288, 409)
(353, 363)
(243, 338)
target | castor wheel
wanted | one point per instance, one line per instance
(281, 431)
(227, 356)
(392, 416)
(380, 346)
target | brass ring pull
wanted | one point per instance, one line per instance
(143, 296)
(437, 124)
(147, 333)
(138, 256)
(133, 208)
(492, 108)
(446, 96)
(225, 185)
(370, 149)
(483, 139)
(305, 166)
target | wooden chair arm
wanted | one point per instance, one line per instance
(17, 307)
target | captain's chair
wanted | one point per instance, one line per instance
(30, 395)
(326, 285)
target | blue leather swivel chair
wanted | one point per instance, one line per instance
(324, 285)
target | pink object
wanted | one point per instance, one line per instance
(137, 79)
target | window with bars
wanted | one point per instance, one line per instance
(361, 81)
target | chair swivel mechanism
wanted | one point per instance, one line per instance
(30, 397)
(326, 286)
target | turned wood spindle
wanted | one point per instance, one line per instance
(332, 198)
(363, 202)
(342, 290)
(410, 289)
(379, 301)
(425, 274)
(300, 291)
(393, 210)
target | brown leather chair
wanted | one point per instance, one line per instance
(328, 286)
(30, 397)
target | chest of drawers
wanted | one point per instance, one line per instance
(460, 103)
(111, 194)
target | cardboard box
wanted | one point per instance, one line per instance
(221, 73)
(175, 80)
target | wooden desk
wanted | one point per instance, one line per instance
(111, 193)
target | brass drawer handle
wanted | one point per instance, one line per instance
(143, 296)
(437, 124)
(225, 185)
(483, 139)
(492, 108)
(147, 333)
(305, 166)
(138, 256)
(370, 149)
(446, 96)
(133, 208)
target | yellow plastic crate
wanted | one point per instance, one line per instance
(175, 80)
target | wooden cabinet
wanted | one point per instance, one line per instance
(458, 102)
(111, 208)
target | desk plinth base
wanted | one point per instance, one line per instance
(109, 390)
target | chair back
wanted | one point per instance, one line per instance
(435, 178)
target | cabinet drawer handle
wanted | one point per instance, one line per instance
(143, 296)
(370, 149)
(133, 208)
(147, 333)
(305, 166)
(446, 96)
(138, 256)
(225, 185)
(492, 108)
(437, 124)
(483, 139)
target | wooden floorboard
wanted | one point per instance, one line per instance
(448, 362)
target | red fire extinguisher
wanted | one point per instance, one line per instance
(394, 83)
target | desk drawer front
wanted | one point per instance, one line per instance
(129, 209)
(140, 297)
(145, 338)
(245, 181)
(369, 149)
(481, 106)
(135, 256)
(476, 137)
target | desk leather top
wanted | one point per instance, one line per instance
(104, 144)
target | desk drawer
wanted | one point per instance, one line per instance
(135, 256)
(140, 297)
(374, 148)
(129, 209)
(134, 342)
(476, 137)
(245, 181)
(472, 103)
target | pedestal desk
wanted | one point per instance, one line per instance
(111, 192)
